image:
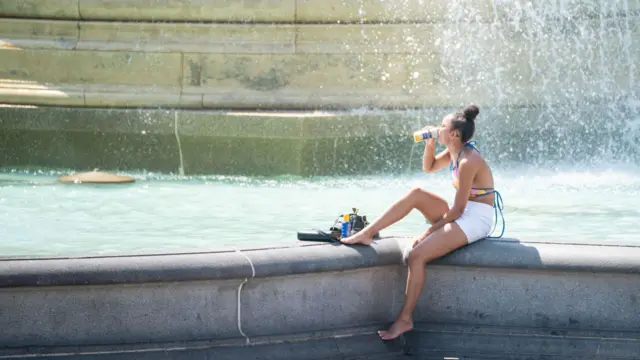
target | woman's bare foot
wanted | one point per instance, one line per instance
(398, 328)
(359, 238)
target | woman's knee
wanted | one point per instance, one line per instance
(418, 193)
(425, 195)
(431, 205)
(416, 257)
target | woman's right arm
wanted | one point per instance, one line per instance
(431, 162)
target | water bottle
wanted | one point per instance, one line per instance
(346, 226)
(425, 134)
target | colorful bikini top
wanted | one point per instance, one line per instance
(477, 192)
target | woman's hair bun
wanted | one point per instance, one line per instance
(470, 112)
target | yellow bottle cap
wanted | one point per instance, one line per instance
(345, 217)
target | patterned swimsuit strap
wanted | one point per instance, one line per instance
(469, 144)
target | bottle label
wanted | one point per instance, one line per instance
(424, 134)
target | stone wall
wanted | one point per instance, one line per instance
(310, 54)
(492, 297)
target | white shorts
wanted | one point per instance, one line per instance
(476, 220)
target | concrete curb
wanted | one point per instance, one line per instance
(307, 258)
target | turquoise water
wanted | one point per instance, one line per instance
(161, 213)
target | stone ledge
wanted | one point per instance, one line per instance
(308, 258)
(513, 254)
(305, 289)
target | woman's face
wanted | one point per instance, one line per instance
(446, 134)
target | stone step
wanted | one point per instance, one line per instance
(450, 341)
(302, 10)
(311, 66)
(356, 343)
(442, 342)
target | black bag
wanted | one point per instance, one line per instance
(358, 222)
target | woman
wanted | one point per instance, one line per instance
(468, 220)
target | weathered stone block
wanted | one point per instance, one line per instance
(179, 38)
(189, 10)
(366, 302)
(135, 68)
(108, 78)
(202, 310)
(296, 80)
(88, 67)
(588, 302)
(39, 66)
(273, 71)
(57, 9)
(38, 34)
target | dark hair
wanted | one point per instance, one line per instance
(463, 122)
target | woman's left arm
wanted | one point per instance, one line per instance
(466, 172)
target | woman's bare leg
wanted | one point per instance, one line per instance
(440, 243)
(429, 204)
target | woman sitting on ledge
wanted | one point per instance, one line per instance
(468, 220)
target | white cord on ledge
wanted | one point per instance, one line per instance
(253, 274)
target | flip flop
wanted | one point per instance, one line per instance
(316, 235)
